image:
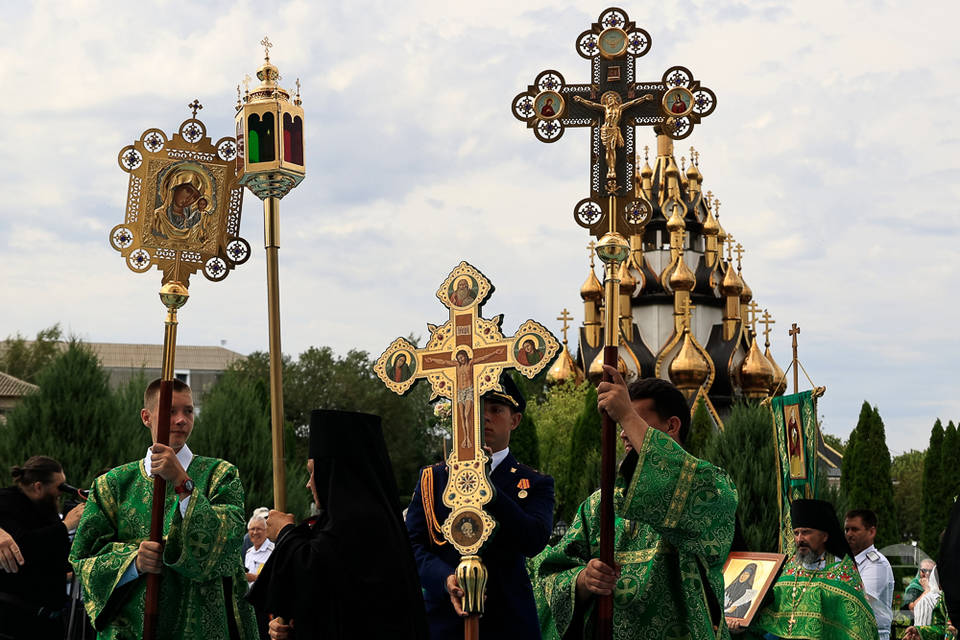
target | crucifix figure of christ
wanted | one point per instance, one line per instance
(464, 390)
(463, 360)
(611, 137)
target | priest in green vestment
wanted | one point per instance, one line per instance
(202, 575)
(673, 529)
(819, 594)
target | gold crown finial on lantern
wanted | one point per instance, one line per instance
(270, 134)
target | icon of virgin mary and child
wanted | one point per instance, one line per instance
(185, 201)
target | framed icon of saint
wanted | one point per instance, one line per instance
(549, 105)
(678, 102)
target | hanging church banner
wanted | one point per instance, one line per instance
(795, 433)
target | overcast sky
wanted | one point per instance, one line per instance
(834, 150)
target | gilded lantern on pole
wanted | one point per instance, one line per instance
(270, 134)
(270, 164)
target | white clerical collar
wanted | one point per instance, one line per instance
(860, 557)
(498, 458)
(184, 456)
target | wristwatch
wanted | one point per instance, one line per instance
(184, 489)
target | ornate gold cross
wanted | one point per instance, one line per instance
(739, 251)
(766, 322)
(196, 106)
(565, 317)
(753, 312)
(462, 361)
(266, 47)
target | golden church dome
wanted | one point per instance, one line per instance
(779, 384)
(682, 278)
(746, 294)
(756, 374)
(595, 373)
(564, 369)
(732, 285)
(591, 289)
(646, 173)
(710, 226)
(676, 223)
(688, 370)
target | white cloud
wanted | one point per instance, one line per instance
(832, 148)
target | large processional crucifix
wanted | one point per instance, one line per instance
(463, 360)
(613, 104)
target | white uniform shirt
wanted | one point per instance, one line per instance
(878, 584)
(257, 557)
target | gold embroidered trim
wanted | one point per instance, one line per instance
(682, 491)
(641, 454)
(426, 497)
(642, 556)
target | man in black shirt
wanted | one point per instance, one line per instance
(32, 596)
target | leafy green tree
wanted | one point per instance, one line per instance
(701, 430)
(583, 472)
(317, 379)
(524, 444)
(74, 418)
(935, 506)
(866, 479)
(23, 359)
(554, 416)
(907, 473)
(745, 450)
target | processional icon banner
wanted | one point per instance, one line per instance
(796, 435)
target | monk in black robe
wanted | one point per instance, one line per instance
(349, 573)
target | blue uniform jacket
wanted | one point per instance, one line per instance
(524, 527)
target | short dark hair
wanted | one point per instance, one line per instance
(868, 517)
(153, 390)
(668, 401)
(36, 469)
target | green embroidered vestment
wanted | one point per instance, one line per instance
(201, 554)
(674, 524)
(826, 604)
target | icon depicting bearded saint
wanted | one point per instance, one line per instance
(185, 204)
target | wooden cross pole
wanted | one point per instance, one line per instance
(794, 332)
(463, 360)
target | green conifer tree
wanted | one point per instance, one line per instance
(72, 418)
(701, 430)
(524, 444)
(933, 495)
(950, 460)
(745, 450)
(866, 480)
(583, 474)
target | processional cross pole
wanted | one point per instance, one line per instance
(462, 361)
(673, 106)
(182, 216)
(270, 163)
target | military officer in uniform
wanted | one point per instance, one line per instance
(523, 509)
(860, 529)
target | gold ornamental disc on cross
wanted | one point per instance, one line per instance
(183, 204)
(462, 361)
